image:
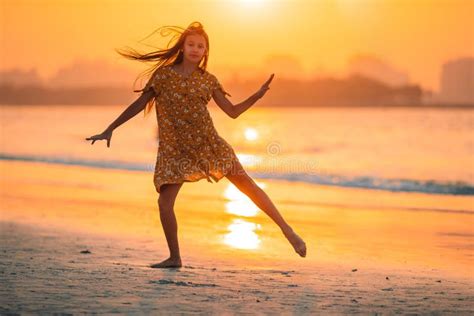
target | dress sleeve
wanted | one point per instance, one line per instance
(215, 84)
(155, 82)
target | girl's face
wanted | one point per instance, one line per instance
(194, 47)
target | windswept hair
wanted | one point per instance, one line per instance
(172, 55)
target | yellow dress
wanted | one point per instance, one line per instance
(189, 147)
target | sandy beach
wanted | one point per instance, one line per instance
(77, 239)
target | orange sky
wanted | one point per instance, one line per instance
(414, 36)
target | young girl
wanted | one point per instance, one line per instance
(190, 149)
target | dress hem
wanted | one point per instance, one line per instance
(201, 177)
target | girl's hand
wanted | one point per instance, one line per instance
(260, 93)
(105, 135)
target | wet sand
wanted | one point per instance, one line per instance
(77, 239)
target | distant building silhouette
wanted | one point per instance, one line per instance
(88, 73)
(287, 66)
(457, 81)
(377, 69)
(18, 77)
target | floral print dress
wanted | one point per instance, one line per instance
(189, 147)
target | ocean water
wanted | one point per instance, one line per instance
(394, 149)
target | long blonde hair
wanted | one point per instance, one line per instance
(170, 56)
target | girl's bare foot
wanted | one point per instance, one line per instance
(298, 244)
(168, 263)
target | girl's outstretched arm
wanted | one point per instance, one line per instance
(235, 110)
(133, 109)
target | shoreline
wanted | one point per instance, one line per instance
(423, 186)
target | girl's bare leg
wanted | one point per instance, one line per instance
(247, 185)
(168, 193)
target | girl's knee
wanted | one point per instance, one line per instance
(165, 203)
(168, 195)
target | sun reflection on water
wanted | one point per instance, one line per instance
(239, 203)
(242, 233)
(251, 134)
(249, 160)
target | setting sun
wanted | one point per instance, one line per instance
(252, 2)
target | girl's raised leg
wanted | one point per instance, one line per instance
(168, 193)
(247, 185)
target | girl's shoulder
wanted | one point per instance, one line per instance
(162, 74)
(214, 82)
(163, 70)
(208, 74)
(210, 78)
(158, 79)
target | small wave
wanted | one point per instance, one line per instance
(395, 185)
(106, 164)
